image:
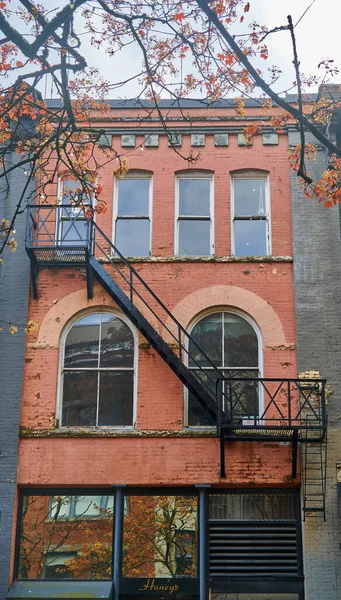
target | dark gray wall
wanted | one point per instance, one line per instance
(14, 291)
(317, 275)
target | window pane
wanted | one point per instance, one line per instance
(249, 197)
(56, 565)
(207, 333)
(240, 342)
(52, 546)
(194, 197)
(241, 398)
(194, 238)
(61, 507)
(87, 506)
(197, 414)
(81, 347)
(74, 232)
(250, 238)
(133, 237)
(79, 398)
(116, 398)
(117, 343)
(133, 197)
(160, 537)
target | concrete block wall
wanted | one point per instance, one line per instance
(317, 280)
(14, 292)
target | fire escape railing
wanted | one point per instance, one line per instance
(273, 405)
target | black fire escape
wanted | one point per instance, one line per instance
(244, 409)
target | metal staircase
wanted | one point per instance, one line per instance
(244, 409)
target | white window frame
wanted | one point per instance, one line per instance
(63, 337)
(60, 218)
(134, 174)
(257, 331)
(178, 218)
(252, 174)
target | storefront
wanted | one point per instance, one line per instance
(194, 543)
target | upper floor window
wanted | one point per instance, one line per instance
(133, 214)
(231, 343)
(194, 210)
(98, 373)
(72, 224)
(250, 214)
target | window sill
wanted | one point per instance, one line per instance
(107, 432)
(209, 259)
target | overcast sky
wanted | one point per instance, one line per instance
(318, 37)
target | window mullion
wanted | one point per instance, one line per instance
(98, 367)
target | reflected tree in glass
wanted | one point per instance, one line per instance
(66, 537)
(160, 537)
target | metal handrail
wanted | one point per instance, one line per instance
(304, 404)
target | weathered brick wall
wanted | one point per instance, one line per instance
(263, 290)
(317, 274)
(14, 288)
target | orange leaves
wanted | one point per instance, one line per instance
(327, 189)
(247, 7)
(179, 17)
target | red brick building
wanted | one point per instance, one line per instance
(120, 405)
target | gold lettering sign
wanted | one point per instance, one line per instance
(151, 586)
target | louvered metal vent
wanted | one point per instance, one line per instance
(252, 548)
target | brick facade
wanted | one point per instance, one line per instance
(161, 450)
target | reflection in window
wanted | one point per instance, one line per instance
(98, 374)
(194, 215)
(251, 216)
(160, 537)
(231, 343)
(132, 233)
(66, 537)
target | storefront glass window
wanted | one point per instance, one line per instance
(65, 537)
(160, 537)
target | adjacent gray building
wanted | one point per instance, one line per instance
(14, 291)
(317, 278)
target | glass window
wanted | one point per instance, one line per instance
(132, 230)
(72, 222)
(194, 226)
(251, 216)
(66, 537)
(98, 373)
(160, 537)
(231, 343)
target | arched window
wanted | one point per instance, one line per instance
(98, 372)
(231, 343)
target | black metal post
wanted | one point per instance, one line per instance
(294, 454)
(203, 538)
(118, 533)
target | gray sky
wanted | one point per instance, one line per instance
(318, 37)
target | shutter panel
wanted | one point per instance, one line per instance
(252, 548)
